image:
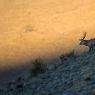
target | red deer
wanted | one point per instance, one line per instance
(90, 43)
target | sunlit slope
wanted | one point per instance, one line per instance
(46, 28)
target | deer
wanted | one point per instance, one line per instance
(89, 43)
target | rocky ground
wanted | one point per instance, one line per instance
(73, 75)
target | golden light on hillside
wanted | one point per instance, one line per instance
(43, 28)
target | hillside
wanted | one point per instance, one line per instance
(73, 75)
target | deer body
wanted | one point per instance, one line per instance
(90, 43)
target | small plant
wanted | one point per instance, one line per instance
(85, 62)
(64, 57)
(70, 54)
(38, 67)
(87, 78)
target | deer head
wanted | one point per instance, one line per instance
(90, 43)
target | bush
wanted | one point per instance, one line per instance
(70, 54)
(38, 67)
(64, 57)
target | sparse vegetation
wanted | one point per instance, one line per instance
(70, 54)
(38, 67)
(77, 77)
(64, 57)
(88, 78)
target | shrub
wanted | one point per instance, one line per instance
(64, 57)
(70, 54)
(38, 67)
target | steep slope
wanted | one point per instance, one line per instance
(74, 75)
(42, 27)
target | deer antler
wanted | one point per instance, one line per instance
(84, 35)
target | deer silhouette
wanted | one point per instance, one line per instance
(90, 43)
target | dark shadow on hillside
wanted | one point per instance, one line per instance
(10, 74)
